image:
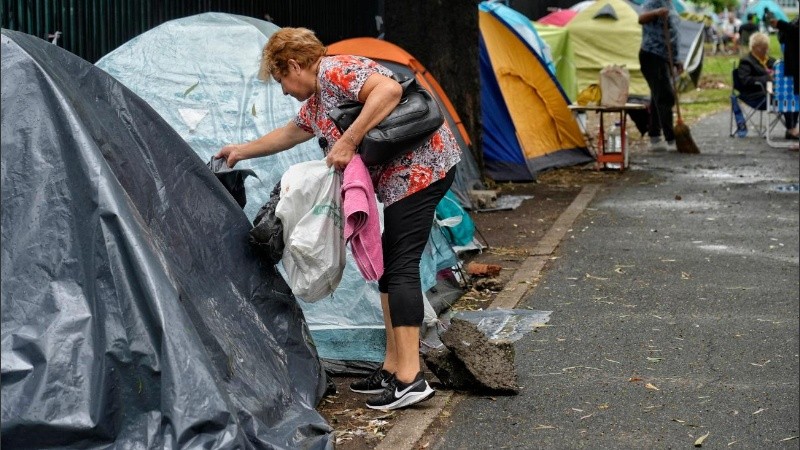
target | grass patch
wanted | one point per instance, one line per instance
(712, 94)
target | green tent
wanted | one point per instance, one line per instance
(607, 32)
(563, 58)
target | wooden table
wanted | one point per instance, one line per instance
(605, 157)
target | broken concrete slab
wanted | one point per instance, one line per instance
(491, 363)
(478, 352)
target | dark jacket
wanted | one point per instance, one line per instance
(789, 35)
(753, 76)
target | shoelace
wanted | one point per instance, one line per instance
(377, 377)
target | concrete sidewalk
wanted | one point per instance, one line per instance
(675, 313)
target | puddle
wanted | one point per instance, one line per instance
(787, 187)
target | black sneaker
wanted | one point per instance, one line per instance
(373, 384)
(399, 395)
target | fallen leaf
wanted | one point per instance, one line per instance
(634, 379)
(191, 88)
(651, 386)
(760, 410)
(651, 359)
(685, 276)
(679, 420)
(611, 360)
(253, 110)
(544, 427)
(603, 406)
(587, 416)
(699, 441)
(789, 438)
(619, 270)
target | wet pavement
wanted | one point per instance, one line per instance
(674, 302)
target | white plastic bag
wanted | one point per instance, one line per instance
(614, 85)
(310, 209)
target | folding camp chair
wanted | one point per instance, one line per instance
(746, 112)
(781, 99)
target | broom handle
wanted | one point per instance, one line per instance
(668, 39)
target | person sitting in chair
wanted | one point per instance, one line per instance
(755, 70)
(730, 33)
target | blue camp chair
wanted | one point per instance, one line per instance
(781, 99)
(746, 112)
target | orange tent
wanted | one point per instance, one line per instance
(400, 61)
(377, 49)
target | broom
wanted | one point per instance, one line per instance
(683, 137)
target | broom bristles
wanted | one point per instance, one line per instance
(683, 139)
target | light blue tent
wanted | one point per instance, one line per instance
(760, 6)
(200, 74)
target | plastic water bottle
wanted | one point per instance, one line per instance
(614, 145)
(614, 142)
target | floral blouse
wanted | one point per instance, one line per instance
(340, 79)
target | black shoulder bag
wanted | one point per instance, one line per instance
(408, 126)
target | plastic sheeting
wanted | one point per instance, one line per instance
(208, 64)
(134, 314)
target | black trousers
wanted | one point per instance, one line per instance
(657, 73)
(406, 228)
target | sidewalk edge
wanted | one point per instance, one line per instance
(412, 424)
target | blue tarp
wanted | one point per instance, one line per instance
(134, 314)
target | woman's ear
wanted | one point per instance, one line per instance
(293, 64)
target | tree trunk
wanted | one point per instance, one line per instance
(443, 36)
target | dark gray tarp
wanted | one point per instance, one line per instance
(134, 314)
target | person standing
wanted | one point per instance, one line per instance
(747, 29)
(789, 35)
(654, 63)
(410, 186)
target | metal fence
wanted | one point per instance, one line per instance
(92, 28)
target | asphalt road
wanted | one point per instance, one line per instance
(675, 313)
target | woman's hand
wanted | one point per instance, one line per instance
(231, 153)
(341, 153)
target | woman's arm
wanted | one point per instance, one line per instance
(380, 95)
(275, 141)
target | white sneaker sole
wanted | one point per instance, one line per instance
(370, 391)
(407, 400)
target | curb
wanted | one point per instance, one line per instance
(412, 424)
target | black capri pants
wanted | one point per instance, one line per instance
(406, 228)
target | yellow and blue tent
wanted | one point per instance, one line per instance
(527, 125)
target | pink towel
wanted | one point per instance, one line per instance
(362, 226)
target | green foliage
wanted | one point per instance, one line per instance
(719, 5)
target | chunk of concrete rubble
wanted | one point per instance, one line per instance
(483, 270)
(490, 363)
(483, 198)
